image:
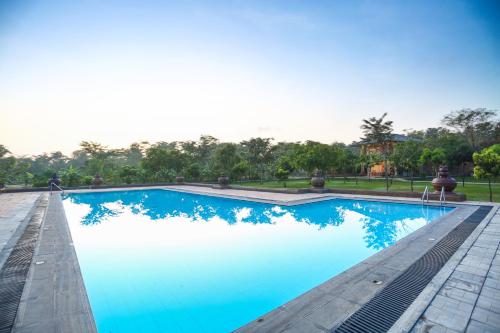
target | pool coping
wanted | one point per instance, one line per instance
(318, 310)
(54, 298)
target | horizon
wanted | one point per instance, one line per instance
(121, 72)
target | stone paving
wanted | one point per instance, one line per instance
(469, 300)
(14, 207)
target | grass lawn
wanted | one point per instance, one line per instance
(474, 191)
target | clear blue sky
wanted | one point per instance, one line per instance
(122, 71)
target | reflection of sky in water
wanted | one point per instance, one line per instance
(165, 261)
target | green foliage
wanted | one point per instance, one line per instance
(487, 164)
(3, 151)
(7, 168)
(193, 171)
(258, 153)
(315, 156)
(259, 158)
(477, 125)
(87, 180)
(130, 174)
(225, 158)
(163, 163)
(434, 157)
(41, 179)
(282, 174)
(239, 170)
(71, 177)
(377, 130)
(406, 155)
(164, 175)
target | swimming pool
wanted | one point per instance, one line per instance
(167, 261)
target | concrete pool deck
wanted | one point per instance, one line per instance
(54, 298)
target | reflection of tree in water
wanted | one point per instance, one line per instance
(159, 204)
(322, 214)
(381, 221)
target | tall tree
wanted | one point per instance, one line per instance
(379, 131)
(7, 165)
(473, 123)
(225, 158)
(406, 156)
(259, 154)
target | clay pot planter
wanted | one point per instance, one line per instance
(179, 179)
(443, 180)
(97, 180)
(223, 181)
(318, 181)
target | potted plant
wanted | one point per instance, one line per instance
(97, 181)
(223, 180)
(317, 180)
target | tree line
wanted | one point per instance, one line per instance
(460, 134)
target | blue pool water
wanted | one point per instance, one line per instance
(166, 261)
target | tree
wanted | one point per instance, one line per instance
(434, 157)
(225, 158)
(71, 177)
(314, 156)
(379, 131)
(239, 170)
(130, 174)
(472, 123)
(3, 151)
(7, 165)
(163, 163)
(352, 162)
(370, 160)
(284, 168)
(259, 154)
(406, 156)
(487, 164)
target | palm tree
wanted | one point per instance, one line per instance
(379, 131)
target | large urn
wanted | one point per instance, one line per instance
(444, 180)
(223, 181)
(317, 180)
(97, 180)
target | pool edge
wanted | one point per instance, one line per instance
(86, 318)
(54, 298)
(325, 307)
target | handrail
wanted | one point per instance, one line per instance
(425, 195)
(52, 184)
(442, 197)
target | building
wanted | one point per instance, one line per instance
(376, 148)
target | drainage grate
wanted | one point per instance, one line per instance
(383, 310)
(15, 270)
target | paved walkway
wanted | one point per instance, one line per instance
(14, 207)
(469, 300)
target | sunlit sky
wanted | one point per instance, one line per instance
(117, 72)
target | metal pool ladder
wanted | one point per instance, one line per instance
(57, 186)
(442, 197)
(425, 195)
